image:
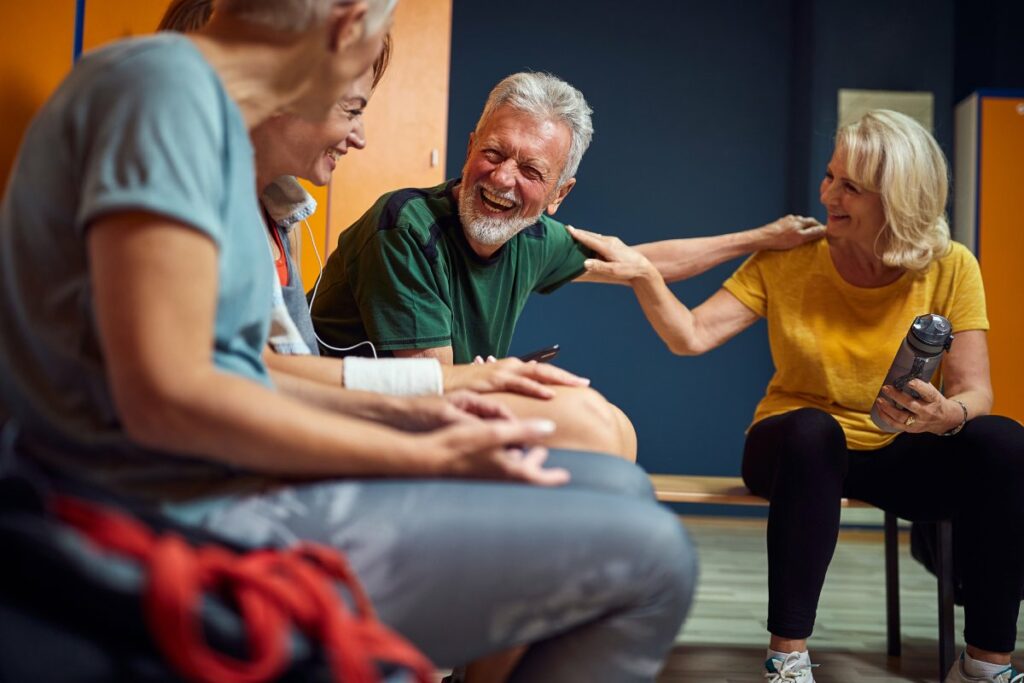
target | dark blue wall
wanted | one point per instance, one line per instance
(989, 49)
(869, 45)
(709, 117)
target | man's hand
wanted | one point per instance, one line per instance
(511, 375)
(618, 262)
(497, 449)
(789, 232)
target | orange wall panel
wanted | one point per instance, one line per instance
(35, 55)
(1001, 244)
(37, 50)
(107, 20)
(406, 125)
(309, 264)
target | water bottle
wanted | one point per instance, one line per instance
(917, 358)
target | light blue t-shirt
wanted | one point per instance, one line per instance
(143, 124)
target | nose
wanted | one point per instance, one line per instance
(357, 136)
(504, 174)
(827, 192)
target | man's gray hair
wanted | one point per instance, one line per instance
(546, 98)
(299, 15)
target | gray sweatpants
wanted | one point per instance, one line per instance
(595, 575)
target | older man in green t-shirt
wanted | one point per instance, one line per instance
(445, 271)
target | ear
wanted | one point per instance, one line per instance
(469, 147)
(345, 25)
(560, 196)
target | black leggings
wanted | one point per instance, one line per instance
(800, 462)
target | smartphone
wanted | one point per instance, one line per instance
(541, 355)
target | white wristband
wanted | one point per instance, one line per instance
(394, 376)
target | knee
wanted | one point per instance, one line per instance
(807, 440)
(814, 425)
(996, 447)
(588, 422)
(627, 433)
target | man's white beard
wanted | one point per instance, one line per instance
(492, 231)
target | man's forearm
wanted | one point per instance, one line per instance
(444, 354)
(680, 259)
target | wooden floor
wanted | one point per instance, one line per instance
(724, 639)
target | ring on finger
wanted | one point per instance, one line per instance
(910, 420)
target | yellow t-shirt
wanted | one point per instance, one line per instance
(832, 342)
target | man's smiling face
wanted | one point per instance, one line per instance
(511, 175)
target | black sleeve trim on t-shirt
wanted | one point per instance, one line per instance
(397, 201)
(537, 231)
(430, 248)
(415, 340)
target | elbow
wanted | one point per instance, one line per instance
(988, 400)
(684, 347)
(150, 413)
(679, 349)
(144, 419)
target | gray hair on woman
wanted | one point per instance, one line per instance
(892, 154)
(299, 15)
(546, 98)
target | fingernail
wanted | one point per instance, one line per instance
(542, 426)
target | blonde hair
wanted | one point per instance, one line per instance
(187, 16)
(299, 15)
(892, 154)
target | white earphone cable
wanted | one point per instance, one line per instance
(312, 298)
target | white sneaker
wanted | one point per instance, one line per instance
(792, 669)
(1007, 675)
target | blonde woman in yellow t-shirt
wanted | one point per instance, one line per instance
(837, 310)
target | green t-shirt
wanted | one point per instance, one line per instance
(404, 277)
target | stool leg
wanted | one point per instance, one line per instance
(892, 585)
(944, 572)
